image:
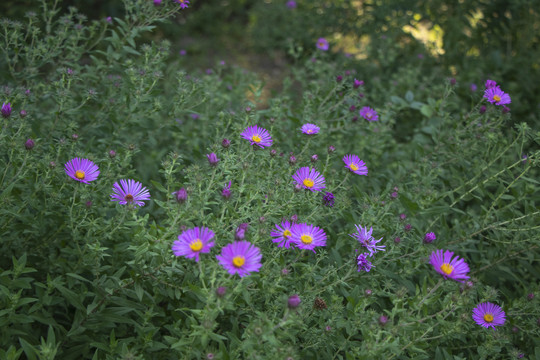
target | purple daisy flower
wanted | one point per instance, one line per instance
(309, 179)
(257, 136)
(308, 236)
(322, 44)
(363, 263)
(368, 241)
(192, 242)
(496, 96)
(283, 234)
(82, 170)
(310, 129)
(129, 192)
(183, 3)
(240, 257)
(369, 114)
(453, 268)
(488, 315)
(353, 163)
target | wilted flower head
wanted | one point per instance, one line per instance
(6, 110)
(82, 170)
(490, 84)
(181, 195)
(212, 159)
(322, 44)
(369, 114)
(364, 237)
(354, 164)
(240, 257)
(453, 268)
(308, 237)
(363, 263)
(328, 199)
(496, 96)
(192, 242)
(226, 192)
(283, 234)
(310, 129)
(130, 192)
(429, 237)
(257, 136)
(183, 3)
(489, 315)
(309, 179)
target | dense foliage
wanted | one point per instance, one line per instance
(84, 277)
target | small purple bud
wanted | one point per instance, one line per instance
(262, 219)
(294, 301)
(23, 113)
(357, 83)
(109, 19)
(284, 271)
(394, 195)
(452, 81)
(482, 109)
(226, 143)
(347, 72)
(29, 144)
(515, 330)
(181, 195)
(469, 284)
(352, 108)
(210, 356)
(355, 119)
(157, 2)
(52, 164)
(396, 188)
(212, 159)
(314, 158)
(182, 52)
(339, 78)
(291, 4)
(368, 292)
(294, 218)
(408, 227)
(248, 109)
(397, 240)
(297, 188)
(328, 199)
(530, 296)
(428, 239)
(328, 328)
(402, 216)
(383, 320)
(360, 95)
(226, 192)
(292, 160)
(331, 149)
(505, 109)
(112, 154)
(74, 137)
(6, 110)
(221, 291)
(209, 71)
(473, 87)
(273, 152)
(27, 92)
(69, 71)
(88, 204)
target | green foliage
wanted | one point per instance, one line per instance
(82, 277)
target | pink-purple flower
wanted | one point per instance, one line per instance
(369, 114)
(363, 263)
(6, 110)
(452, 268)
(354, 164)
(310, 129)
(490, 84)
(283, 234)
(130, 192)
(496, 96)
(82, 170)
(240, 257)
(193, 242)
(488, 315)
(183, 3)
(309, 179)
(307, 237)
(257, 136)
(322, 44)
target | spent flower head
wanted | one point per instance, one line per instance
(183, 3)
(366, 240)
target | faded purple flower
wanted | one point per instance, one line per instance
(357, 83)
(183, 3)
(364, 237)
(240, 233)
(181, 195)
(490, 84)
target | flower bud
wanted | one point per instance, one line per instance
(112, 154)
(383, 320)
(23, 113)
(181, 195)
(331, 149)
(226, 143)
(221, 291)
(29, 144)
(294, 301)
(240, 233)
(6, 110)
(429, 237)
(212, 159)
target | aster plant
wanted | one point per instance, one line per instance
(130, 192)
(310, 129)
(82, 170)
(309, 179)
(448, 266)
(496, 96)
(489, 315)
(355, 165)
(307, 237)
(257, 136)
(240, 257)
(282, 236)
(192, 242)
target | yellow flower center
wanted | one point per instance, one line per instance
(309, 131)
(488, 317)
(287, 233)
(496, 98)
(197, 245)
(306, 239)
(447, 268)
(308, 183)
(353, 167)
(79, 174)
(256, 138)
(129, 198)
(238, 261)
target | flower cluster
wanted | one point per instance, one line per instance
(369, 243)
